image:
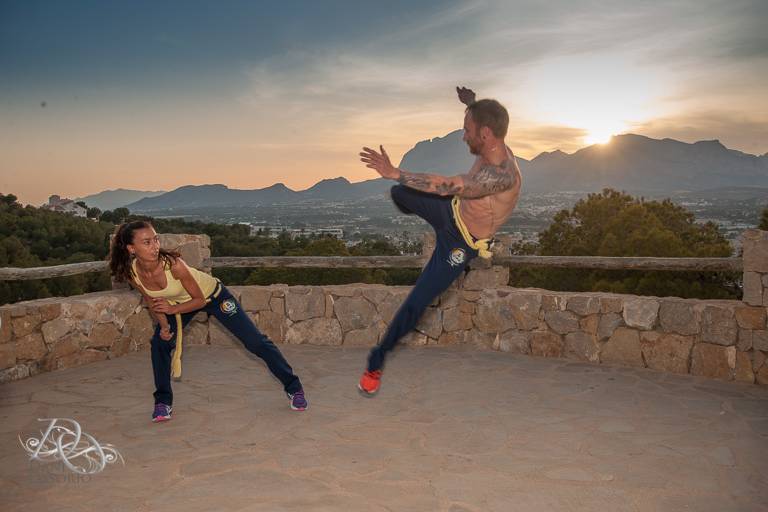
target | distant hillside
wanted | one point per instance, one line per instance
(111, 199)
(629, 162)
(207, 196)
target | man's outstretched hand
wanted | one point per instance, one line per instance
(466, 96)
(380, 162)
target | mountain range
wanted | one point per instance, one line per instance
(633, 163)
(111, 199)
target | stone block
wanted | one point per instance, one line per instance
(641, 313)
(718, 325)
(758, 360)
(666, 352)
(103, 336)
(743, 372)
(562, 322)
(485, 279)
(18, 372)
(304, 303)
(753, 289)
(50, 311)
(7, 355)
(608, 323)
(354, 313)
(431, 323)
(195, 333)
(755, 245)
(456, 320)
(525, 309)
(387, 302)
(493, 315)
(255, 298)
(30, 347)
(761, 377)
(713, 361)
(367, 337)
(744, 342)
(553, 302)
(679, 317)
(414, 339)
(517, 342)
(315, 331)
(139, 328)
(121, 347)
(277, 305)
(56, 329)
(273, 325)
(470, 295)
(546, 344)
(589, 324)
(450, 299)
(583, 305)
(6, 328)
(623, 348)
(760, 340)
(582, 347)
(750, 317)
(611, 305)
(26, 324)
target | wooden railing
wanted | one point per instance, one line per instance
(575, 262)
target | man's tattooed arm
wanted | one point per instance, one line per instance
(489, 179)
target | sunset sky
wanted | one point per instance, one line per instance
(152, 95)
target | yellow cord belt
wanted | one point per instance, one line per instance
(176, 361)
(483, 245)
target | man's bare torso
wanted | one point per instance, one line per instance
(483, 216)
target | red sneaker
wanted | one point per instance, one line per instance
(369, 383)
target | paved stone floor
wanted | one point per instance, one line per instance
(452, 430)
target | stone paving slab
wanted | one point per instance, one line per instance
(452, 429)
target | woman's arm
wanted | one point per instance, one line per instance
(180, 271)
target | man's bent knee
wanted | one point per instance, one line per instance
(397, 193)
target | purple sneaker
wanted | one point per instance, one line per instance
(162, 412)
(298, 402)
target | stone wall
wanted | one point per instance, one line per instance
(755, 245)
(717, 339)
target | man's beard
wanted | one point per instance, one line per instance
(474, 149)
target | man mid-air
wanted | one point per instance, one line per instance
(464, 210)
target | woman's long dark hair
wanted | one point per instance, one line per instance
(120, 258)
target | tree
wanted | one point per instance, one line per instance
(613, 223)
(93, 213)
(120, 214)
(764, 220)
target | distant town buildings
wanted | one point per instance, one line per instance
(57, 204)
(275, 231)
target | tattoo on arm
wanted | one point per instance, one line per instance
(489, 179)
(434, 184)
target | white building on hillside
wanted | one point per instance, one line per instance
(57, 204)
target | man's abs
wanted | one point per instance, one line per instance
(483, 216)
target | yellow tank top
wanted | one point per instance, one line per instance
(174, 291)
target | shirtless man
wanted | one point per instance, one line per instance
(464, 210)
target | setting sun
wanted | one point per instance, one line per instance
(599, 95)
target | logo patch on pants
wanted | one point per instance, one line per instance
(457, 257)
(229, 307)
